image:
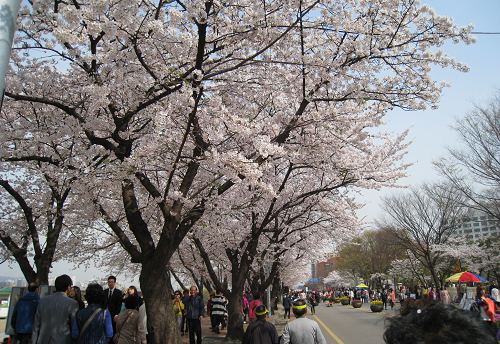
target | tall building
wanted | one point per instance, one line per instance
(322, 269)
(477, 226)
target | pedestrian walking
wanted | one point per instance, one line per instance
(444, 296)
(287, 304)
(209, 311)
(312, 302)
(219, 311)
(302, 330)
(194, 309)
(260, 331)
(253, 305)
(392, 297)
(244, 309)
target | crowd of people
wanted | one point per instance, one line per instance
(111, 316)
(388, 296)
(62, 317)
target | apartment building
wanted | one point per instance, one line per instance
(478, 226)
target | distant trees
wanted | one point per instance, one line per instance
(474, 168)
(371, 253)
(422, 218)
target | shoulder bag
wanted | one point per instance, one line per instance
(87, 323)
(116, 336)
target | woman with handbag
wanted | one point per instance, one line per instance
(92, 325)
(129, 329)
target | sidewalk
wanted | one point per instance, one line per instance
(210, 337)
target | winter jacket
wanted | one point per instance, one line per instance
(130, 327)
(194, 307)
(24, 313)
(287, 302)
(251, 309)
(260, 332)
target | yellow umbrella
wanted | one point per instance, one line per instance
(361, 286)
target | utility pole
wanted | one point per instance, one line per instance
(268, 272)
(8, 10)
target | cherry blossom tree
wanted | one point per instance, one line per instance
(339, 279)
(481, 256)
(294, 273)
(488, 258)
(406, 270)
(30, 214)
(278, 229)
(173, 105)
(36, 201)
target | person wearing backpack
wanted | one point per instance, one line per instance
(302, 330)
(260, 331)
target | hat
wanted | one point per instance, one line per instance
(262, 313)
(263, 310)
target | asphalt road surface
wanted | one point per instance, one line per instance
(348, 325)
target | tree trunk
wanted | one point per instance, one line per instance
(234, 320)
(42, 275)
(275, 292)
(162, 324)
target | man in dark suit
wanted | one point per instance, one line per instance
(113, 300)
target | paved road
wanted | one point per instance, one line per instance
(348, 325)
(339, 324)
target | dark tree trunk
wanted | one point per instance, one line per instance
(239, 272)
(275, 294)
(42, 276)
(162, 324)
(234, 320)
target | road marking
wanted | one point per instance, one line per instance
(329, 331)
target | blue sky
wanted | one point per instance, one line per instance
(430, 130)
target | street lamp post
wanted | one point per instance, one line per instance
(8, 12)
